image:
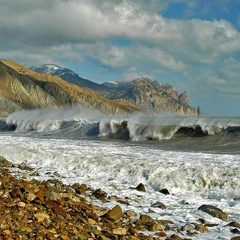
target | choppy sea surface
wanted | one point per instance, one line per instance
(196, 158)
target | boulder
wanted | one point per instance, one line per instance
(236, 238)
(141, 187)
(100, 194)
(234, 224)
(115, 214)
(164, 191)
(214, 211)
(145, 219)
(159, 205)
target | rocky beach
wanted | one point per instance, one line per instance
(32, 209)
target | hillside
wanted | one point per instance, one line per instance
(22, 88)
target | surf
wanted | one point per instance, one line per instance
(82, 122)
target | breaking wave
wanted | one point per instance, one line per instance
(83, 122)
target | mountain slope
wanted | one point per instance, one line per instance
(22, 88)
(70, 76)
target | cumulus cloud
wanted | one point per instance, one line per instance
(59, 22)
(204, 51)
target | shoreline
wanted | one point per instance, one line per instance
(32, 209)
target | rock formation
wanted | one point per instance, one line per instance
(150, 95)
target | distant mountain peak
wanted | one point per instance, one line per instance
(52, 69)
(51, 66)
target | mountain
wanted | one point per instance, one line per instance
(144, 93)
(149, 95)
(22, 88)
(70, 76)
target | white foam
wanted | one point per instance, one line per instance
(193, 178)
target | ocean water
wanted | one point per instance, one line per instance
(196, 158)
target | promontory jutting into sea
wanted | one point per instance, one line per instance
(117, 135)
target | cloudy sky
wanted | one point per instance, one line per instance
(192, 44)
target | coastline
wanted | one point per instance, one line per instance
(31, 209)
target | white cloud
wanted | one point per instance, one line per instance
(35, 32)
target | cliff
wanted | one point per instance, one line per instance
(149, 95)
(22, 88)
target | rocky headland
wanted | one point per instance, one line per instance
(31, 209)
(145, 94)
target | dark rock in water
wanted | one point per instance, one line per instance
(115, 214)
(141, 188)
(234, 224)
(159, 205)
(201, 228)
(214, 211)
(164, 191)
(235, 231)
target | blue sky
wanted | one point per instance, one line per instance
(192, 44)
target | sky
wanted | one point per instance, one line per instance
(194, 45)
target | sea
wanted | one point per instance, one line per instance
(197, 158)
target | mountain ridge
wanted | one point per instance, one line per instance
(22, 88)
(144, 93)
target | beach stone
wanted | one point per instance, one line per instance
(22, 204)
(214, 211)
(161, 234)
(120, 231)
(235, 231)
(41, 216)
(40, 195)
(153, 227)
(145, 219)
(31, 197)
(7, 232)
(15, 193)
(53, 196)
(188, 227)
(201, 228)
(100, 194)
(58, 209)
(236, 238)
(123, 202)
(81, 189)
(159, 205)
(174, 236)
(164, 191)
(141, 187)
(115, 214)
(4, 162)
(26, 175)
(234, 224)
(23, 166)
